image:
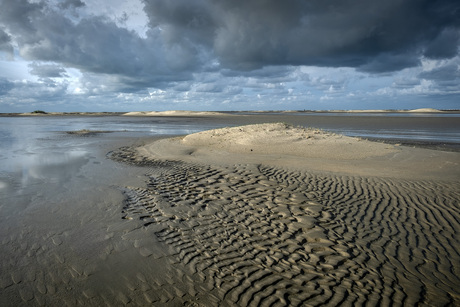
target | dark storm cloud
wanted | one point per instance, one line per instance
(94, 44)
(68, 4)
(445, 45)
(251, 38)
(5, 42)
(374, 36)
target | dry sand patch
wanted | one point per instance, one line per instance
(283, 139)
(311, 149)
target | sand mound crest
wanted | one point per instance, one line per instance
(279, 138)
(259, 134)
(425, 110)
(363, 111)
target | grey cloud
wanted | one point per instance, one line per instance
(246, 35)
(446, 77)
(183, 21)
(264, 40)
(70, 4)
(329, 84)
(27, 92)
(16, 16)
(47, 70)
(94, 44)
(5, 86)
(267, 72)
(445, 45)
(233, 90)
(181, 87)
(388, 62)
(264, 78)
(210, 88)
(405, 82)
(5, 43)
(443, 73)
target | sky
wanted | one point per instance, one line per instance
(155, 55)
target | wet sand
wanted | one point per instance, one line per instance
(242, 222)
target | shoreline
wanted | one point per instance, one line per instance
(433, 145)
(181, 113)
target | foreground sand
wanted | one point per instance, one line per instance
(241, 216)
(272, 215)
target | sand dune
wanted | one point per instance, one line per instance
(421, 110)
(425, 110)
(172, 113)
(254, 231)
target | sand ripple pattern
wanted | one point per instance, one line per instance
(260, 236)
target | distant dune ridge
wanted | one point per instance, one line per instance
(270, 214)
(423, 110)
(208, 113)
(172, 113)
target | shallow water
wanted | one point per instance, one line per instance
(28, 140)
(415, 127)
(36, 150)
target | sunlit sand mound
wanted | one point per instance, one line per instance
(279, 138)
(313, 149)
(172, 113)
(363, 111)
(425, 110)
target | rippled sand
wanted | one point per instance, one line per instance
(256, 234)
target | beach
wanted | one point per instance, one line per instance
(254, 214)
(249, 216)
